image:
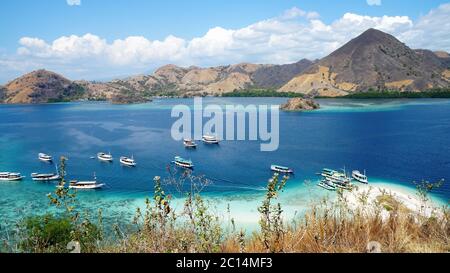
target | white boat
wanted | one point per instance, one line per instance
(281, 169)
(210, 139)
(85, 185)
(128, 161)
(105, 157)
(327, 185)
(189, 143)
(45, 157)
(358, 176)
(45, 177)
(5, 176)
(184, 163)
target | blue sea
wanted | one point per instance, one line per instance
(395, 141)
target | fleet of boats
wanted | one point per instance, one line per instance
(330, 179)
(333, 180)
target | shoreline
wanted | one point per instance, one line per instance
(296, 200)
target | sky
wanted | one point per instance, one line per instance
(106, 39)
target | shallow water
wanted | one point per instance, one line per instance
(399, 141)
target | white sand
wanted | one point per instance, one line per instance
(406, 196)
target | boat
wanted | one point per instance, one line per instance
(184, 163)
(189, 143)
(85, 185)
(45, 177)
(6, 176)
(105, 157)
(128, 161)
(281, 169)
(358, 176)
(45, 157)
(210, 139)
(337, 179)
(333, 175)
(327, 185)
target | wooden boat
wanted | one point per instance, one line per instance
(6, 176)
(189, 143)
(85, 185)
(184, 163)
(45, 177)
(210, 139)
(105, 157)
(130, 162)
(358, 176)
(45, 157)
(281, 169)
(327, 185)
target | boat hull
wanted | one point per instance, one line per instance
(126, 163)
(46, 179)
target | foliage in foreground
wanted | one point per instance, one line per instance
(328, 226)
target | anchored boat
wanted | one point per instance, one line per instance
(5, 176)
(281, 169)
(128, 161)
(45, 177)
(337, 179)
(210, 139)
(189, 143)
(358, 176)
(184, 163)
(85, 185)
(105, 157)
(45, 157)
(327, 185)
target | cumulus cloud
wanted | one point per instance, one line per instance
(73, 2)
(374, 2)
(293, 35)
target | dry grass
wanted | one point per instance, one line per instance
(328, 227)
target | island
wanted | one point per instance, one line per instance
(300, 104)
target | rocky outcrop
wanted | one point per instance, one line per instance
(300, 104)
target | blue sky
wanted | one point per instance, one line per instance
(30, 28)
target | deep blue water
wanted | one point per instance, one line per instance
(399, 141)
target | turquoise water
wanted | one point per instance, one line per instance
(399, 141)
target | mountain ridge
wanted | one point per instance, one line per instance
(372, 61)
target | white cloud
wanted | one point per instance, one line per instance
(294, 35)
(73, 2)
(374, 2)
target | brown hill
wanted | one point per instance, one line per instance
(41, 86)
(372, 60)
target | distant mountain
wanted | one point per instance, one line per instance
(372, 60)
(213, 80)
(40, 87)
(276, 76)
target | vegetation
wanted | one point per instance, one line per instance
(262, 93)
(328, 226)
(371, 94)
